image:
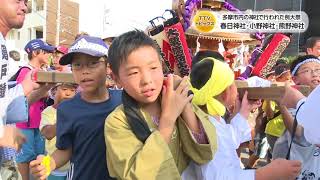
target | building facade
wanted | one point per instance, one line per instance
(54, 21)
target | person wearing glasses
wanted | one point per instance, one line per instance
(80, 120)
(305, 71)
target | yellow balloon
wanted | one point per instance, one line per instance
(46, 163)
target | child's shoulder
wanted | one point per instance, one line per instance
(21, 73)
(117, 117)
(49, 109)
(118, 112)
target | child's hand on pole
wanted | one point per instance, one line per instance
(248, 105)
(279, 169)
(173, 103)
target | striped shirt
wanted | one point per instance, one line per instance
(7, 154)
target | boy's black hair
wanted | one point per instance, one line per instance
(125, 44)
(299, 60)
(201, 73)
(206, 53)
(281, 61)
(311, 41)
(281, 68)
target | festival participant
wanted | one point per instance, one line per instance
(305, 71)
(161, 128)
(275, 126)
(313, 46)
(61, 92)
(307, 113)
(38, 53)
(213, 95)
(80, 120)
(12, 15)
(59, 52)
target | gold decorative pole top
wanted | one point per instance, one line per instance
(213, 4)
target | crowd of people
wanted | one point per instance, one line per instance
(124, 118)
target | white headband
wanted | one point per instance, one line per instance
(294, 71)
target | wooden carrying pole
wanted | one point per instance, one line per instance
(276, 91)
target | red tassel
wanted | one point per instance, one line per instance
(271, 54)
(159, 36)
(178, 44)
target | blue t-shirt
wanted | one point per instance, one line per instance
(80, 126)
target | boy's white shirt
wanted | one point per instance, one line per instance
(11, 93)
(302, 150)
(308, 154)
(306, 116)
(226, 163)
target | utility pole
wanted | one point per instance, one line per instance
(58, 23)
